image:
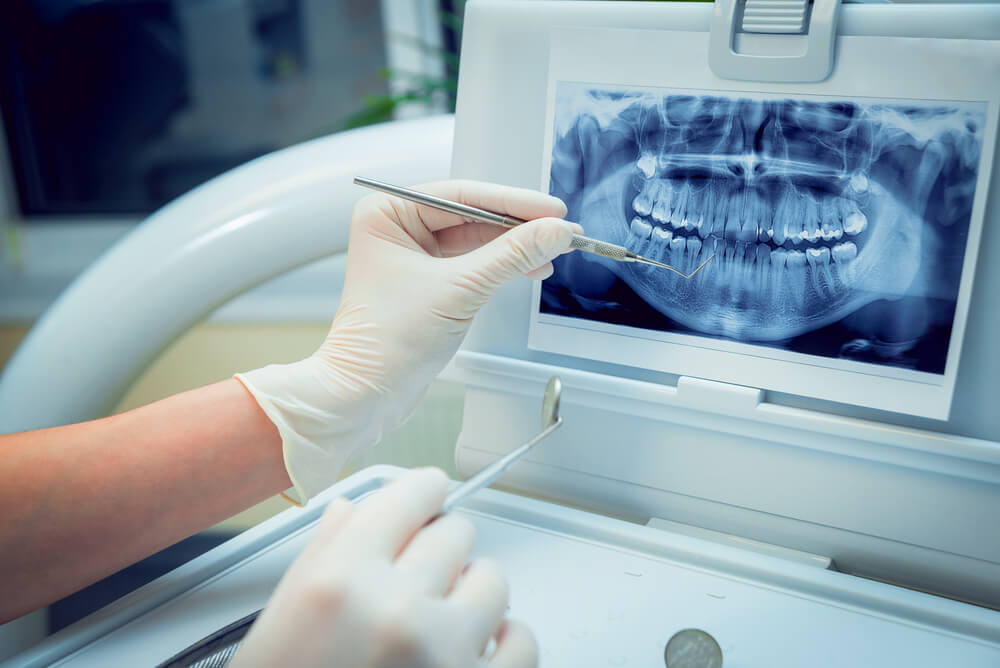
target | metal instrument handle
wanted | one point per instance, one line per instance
(598, 247)
(493, 471)
(580, 242)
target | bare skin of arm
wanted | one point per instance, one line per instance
(83, 501)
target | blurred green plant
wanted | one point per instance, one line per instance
(12, 244)
(419, 87)
(416, 86)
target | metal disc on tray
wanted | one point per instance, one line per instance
(692, 648)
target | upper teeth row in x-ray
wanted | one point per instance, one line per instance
(710, 208)
(813, 209)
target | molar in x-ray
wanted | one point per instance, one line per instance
(819, 214)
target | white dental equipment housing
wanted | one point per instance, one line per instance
(795, 531)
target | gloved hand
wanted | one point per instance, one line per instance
(372, 589)
(415, 278)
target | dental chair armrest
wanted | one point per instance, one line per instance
(242, 228)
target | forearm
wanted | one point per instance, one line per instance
(82, 501)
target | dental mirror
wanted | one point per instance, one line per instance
(550, 422)
(550, 402)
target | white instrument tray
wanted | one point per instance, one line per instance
(597, 591)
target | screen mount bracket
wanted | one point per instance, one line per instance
(773, 40)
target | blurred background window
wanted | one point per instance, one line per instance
(119, 106)
(112, 108)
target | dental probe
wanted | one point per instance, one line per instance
(580, 242)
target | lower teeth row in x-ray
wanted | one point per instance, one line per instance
(838, 228)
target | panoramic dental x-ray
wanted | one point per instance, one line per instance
(838, 226)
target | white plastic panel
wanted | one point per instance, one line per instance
(899, 498)
(889, 503)
(596, 591)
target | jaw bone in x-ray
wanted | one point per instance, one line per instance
(813, 210)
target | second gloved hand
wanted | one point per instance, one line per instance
(415, 278)
(378, 586)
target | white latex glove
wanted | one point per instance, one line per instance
(373, 589)
(415, 278)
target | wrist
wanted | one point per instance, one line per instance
(322, 418)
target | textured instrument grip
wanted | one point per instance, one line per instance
(596, 247)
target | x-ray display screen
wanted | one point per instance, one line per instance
(840, 219)
(837, 227)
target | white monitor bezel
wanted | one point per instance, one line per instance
(597, 56)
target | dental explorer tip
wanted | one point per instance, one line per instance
(701, 266)
(675, 269)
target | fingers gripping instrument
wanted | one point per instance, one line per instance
(580, 242)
